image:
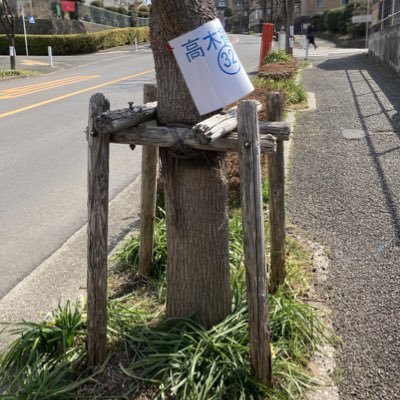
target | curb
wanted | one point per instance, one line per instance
(62, 276)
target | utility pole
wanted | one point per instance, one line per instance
(289, 23)
(24, 26)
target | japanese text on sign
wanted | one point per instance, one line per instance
(210, 66)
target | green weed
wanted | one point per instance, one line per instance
(42, 363)
(277, 56)
(128, 255)
(173, 359)
(294, 92)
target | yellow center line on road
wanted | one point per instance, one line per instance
(39, 87)
(42, 103)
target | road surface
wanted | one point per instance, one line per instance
(43, 151)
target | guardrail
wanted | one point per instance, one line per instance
(389, 15)
(106, 17)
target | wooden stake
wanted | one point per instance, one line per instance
(148, 195)
(254, 247)
(276, 170)
(98, 179)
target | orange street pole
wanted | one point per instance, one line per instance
(266, 41)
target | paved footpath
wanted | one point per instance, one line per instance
(344, 191)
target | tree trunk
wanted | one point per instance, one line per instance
(195, 184)
(289, 21)
(7, 20)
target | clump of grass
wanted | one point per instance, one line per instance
(188, 362)
(277, 56)
(304, 64)
(128, 254)
(175, 358)
(43, 362)
(8, 73)
(293, 91)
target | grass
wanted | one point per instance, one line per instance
(175, 359)
(291, 88)
(8, 73)
(168, 359)
(293, 91)
(277, 56)
(42, 362)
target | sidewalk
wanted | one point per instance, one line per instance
(344, 191)
(41, 63)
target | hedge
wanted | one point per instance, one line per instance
(338, 20)
(331, 19)
(77, 43)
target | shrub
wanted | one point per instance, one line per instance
(318, 21)
(344, 19)
(359, 8)
(76, 44)
(97, 3)
(144, 8)
(332, 19)
(122, 10)
(111, 8)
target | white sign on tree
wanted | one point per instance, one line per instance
(210, 66)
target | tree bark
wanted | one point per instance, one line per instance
(195, 184)
(289, 21)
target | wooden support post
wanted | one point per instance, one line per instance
(98, 178)
(276, 170)
(254, 246)
(148, 195)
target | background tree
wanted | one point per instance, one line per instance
(265, 5)
(7, 18)
(195, 183)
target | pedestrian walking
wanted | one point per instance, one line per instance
(311, 34)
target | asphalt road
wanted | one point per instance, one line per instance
(43, 151)
(43, 155)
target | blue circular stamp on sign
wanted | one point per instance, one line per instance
(228, 61)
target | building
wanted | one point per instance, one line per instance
(312, 7)
(221, 7)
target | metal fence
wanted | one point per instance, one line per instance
(106, 17)
(385, 13)
(44, 9)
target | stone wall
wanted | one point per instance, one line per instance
(385, 45)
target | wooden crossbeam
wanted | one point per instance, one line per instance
(281, 130)
(119, 120)
(218, 125)
(172, 136)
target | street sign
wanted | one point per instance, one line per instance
(358, 19)
(210, 66)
